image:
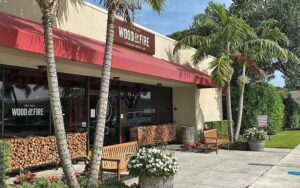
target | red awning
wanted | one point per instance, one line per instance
(27, 35)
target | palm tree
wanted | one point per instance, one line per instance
(47, 9)
(126, 9)
(272, 37)
(230, 39)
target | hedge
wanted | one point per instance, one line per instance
(4, 153)
(221, 126)
(260, 99)
(292, 113)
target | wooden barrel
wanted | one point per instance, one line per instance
(187, 135)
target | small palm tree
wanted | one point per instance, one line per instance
(47, 9)
(126, 9)
(231, 40)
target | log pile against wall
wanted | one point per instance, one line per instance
(37, 150)
(153, 134)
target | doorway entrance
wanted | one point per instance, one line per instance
(112, 125)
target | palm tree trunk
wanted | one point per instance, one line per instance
(104, 91)
(241, 106)
(229, 110)
(55, 103)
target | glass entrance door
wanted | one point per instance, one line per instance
(112, 125)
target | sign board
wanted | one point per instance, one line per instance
(262, 121)
(130, 36)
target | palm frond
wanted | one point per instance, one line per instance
(190, 41)
(221, 70)
(207, 21)
(238, 30)
(126, 8)
(220, 11)
(275, 35)
(266, 25)
(270, 49)
(157, 5)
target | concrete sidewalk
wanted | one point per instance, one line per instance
(278, 177)
(236, 169)
(228, 169)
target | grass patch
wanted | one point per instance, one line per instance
(284, 139)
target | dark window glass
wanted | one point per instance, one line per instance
(145, 105)
(164, 105)
(112, 125)
(148, 105)
(72, 94)
(130, 103)
(26, 106)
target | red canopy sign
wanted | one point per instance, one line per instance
(130, 36)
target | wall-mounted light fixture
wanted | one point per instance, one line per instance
(159, 84)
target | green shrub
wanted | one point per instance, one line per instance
(292, 113)
(43, 183)
(221, 126)
(4, 157)
(260, 99)
(241, 144)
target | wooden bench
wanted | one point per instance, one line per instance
(115, 157)
(211, 138)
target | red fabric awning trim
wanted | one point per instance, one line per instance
(26, 35)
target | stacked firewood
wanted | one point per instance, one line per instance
(153, 134)
(37, 150)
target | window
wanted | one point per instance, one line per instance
(148, 104)
(72, 95)
(164, 105)
(26, 105)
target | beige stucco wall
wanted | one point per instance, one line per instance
(208, 105)
(184, 105)
(194, 106)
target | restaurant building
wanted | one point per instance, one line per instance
(149, 84)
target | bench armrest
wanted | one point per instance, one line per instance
(118, 161)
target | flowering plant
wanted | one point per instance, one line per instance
(194, 146)
(254, 134)
(154, 163)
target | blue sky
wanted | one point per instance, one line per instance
(178, 15)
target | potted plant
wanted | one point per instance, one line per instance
(255, 138)
(154, 167)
